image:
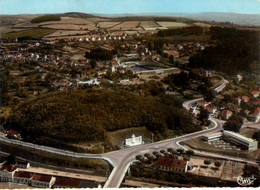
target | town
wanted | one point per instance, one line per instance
(90, 101)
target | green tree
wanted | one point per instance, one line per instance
(207, 162)
(93, 64)
(171, 59)
(217, 164)
(234, 123)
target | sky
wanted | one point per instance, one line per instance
(128, 6)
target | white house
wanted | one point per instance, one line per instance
(133, 141)
(91, 82)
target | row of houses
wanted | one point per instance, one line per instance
(15, 173)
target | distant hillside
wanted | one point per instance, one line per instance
(241, 19)
(76, 15)
(45, 18)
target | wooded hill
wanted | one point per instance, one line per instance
(235, 51)
(86, 115)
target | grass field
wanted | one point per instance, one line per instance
(172, 24)
(34, 33)
(148, 24)
(107, 24)
(119, 136)
(71, 27)
(129, 25)
(66, 33)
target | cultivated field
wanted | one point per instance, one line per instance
(172, 24)
(69, 20)
(202, 24)
(66, 33)
(148, 24)
(71, 27)
(129, 25)
(107, 24)
(35, 33)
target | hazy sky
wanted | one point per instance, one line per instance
(128, 6)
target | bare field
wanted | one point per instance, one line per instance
(172, 24)
(71, 27)
(66, 33)
(202, 24)
(26, 25)
(69, 20)
(156, 28)
(129, 25)
(107, 24)
(35, 33)
(148, 24)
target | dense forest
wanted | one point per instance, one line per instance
(235, 51)
(186, 31)
(86, 115)
(45, 18)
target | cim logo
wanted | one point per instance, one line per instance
(245, 181)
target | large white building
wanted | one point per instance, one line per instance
(251, 144)
(236, 138)
(133, 141)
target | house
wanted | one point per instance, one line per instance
(238, 78)
(43, 181)
(7, 172)
(211, 108)
(65, 182)
(255, 93)
(22, 177)
(238, 100)
(133, 141)
(174, 165)
(255, 102)
(225, 114)
(245, 98)
(255, 116)
(22, 164)
(202, 103)
(12, 134)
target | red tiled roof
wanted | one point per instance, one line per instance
(245, 97)
(256, 111)
(40, 177)
(22, 174)
(64, 181)
(12, 132)
(254, 92)
(226, 111)
(9, 168)
(175, 163)
(257, 101)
